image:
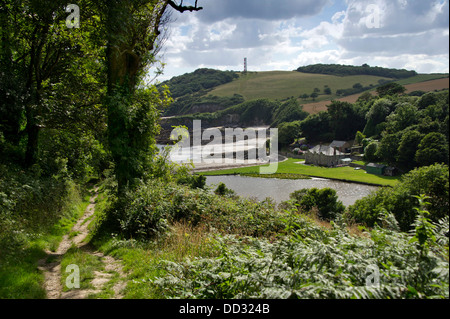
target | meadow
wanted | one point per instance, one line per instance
(285, 84)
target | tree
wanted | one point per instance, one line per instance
(370, 152)
(317, 127)
(388, 148)
(325, 200)
(44, 59)
(407, 149)
(358, 86)
(390, 89)
(314, 95)
(404, 116)
(433, 148)
(288, 132)
(431, 181)
(345, 121)
(376, 116)
(359, 138)
(132, 30)
(289, 111)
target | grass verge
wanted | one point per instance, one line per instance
(142, 261)
(19, 274)
(293, 167)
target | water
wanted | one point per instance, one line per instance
(279, 189)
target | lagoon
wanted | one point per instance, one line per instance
(279, 189)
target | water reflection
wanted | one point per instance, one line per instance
(279, 189)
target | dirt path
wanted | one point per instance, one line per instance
(51, 265)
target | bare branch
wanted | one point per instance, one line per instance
(181, 8)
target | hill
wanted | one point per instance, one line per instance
(282, 85)
(209, 91)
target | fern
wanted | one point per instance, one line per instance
(333, 264)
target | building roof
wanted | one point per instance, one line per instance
(326, 150)
(338, 143)
(376, 165)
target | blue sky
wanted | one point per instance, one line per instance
(286, 34)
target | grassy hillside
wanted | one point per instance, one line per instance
(281, 85)
(285, 84)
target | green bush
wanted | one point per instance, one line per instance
(325, 200)
(222, 190)
(400, 200)
(147, 211)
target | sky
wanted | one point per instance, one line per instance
(286, 34)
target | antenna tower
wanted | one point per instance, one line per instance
(245, 65)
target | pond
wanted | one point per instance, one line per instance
(279, 189)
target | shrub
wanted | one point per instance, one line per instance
(223, 190)
(325, 200)
(147, 212)
(400, 200)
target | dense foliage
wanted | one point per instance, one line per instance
(317, 263)
(403, 131)
(254, 113)
(325, 200)
(199, 80)
(190, 104)
(400, 200)
(343, 70)
(148, 212)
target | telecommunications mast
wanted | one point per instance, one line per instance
(245, 65)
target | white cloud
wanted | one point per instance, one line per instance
(286, 34)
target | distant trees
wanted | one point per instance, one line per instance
(200, 79)
(343, 70)
(289, 111)
(390, 89)
(344, 120)
(433, 148)
(317, 127)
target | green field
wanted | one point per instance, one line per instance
(422, 78)
(292, 166)
(285, 84)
